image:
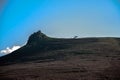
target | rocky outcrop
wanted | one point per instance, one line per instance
(37, 37)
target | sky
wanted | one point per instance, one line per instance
(57, 18)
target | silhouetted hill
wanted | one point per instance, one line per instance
(40, 47)
(46, 58)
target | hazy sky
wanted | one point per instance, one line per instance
(57, 18)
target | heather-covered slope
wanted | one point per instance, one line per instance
(46, 58)
(40, 47)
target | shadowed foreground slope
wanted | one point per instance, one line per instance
(46, 58)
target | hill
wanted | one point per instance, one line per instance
(46, 58)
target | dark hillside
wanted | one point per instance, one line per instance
(38, 44)
(46, 58)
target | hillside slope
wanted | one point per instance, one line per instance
(46, 58)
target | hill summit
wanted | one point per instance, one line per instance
(37, 37)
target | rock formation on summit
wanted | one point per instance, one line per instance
(37, 37)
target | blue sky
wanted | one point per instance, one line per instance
(57, 18)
